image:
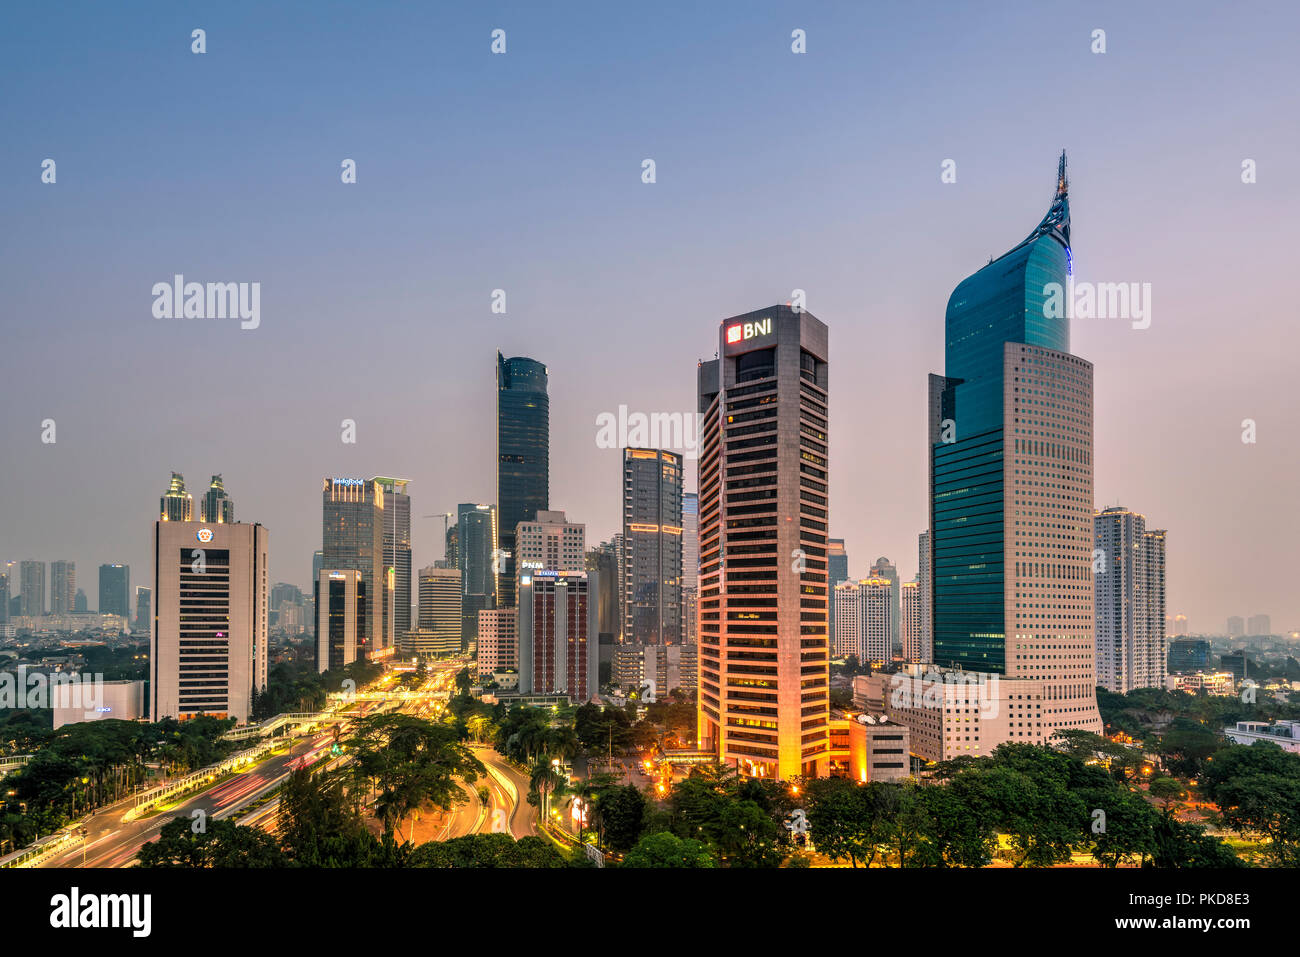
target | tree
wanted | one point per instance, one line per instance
(668, 850)
(844, 820)
(621, 813)
(220, 844)
(487, 850)
(1257, 789)
(1166, 790)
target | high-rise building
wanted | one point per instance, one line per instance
(115, 589)
(353, 538)
(317, 563)
(216, 506)
(848, 620)
(1010, 436)
(837, 570)
(884, 568)
(440, 606)
(764, 496)
(176, 505)
(397, 551)
(911, 632)
(523, 459)
(143, 608)
(550, 543)
(498, 641)
(340, 614)
(867, 618)
(4, 595)
(558, 647)
(652, 543)
(925, 586)
(1259, 625)
(451, 547)
(476, 538)
(1236, 626)
(690, 540)
(1179, 627)
(1129, 601)
(80, 603)
(31, 588)
(1188, 655)
(209, 648)
(63, 587)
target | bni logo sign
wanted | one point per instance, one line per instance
(748, 330)
(204, 535)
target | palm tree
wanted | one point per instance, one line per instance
(544, 781)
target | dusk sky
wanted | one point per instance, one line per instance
(775, 171)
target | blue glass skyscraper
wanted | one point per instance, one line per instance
(523, 458)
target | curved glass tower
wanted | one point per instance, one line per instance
(1011, 480)
(523, 457)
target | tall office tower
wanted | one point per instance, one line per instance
(115, 589)
(652, 542)
(440, 606)
(551, 543)
(603, 559)
(1259, 625)
(31, 589)
(353, 537)
(498, 641)
(523, 459)
(340, 611)
(877, 629)
(910, 629)
(558, 647)
(63, 587)
(143, 608)
(4, 596)
(397, 550)
(451, 547)
(1010, 437)
(690, 540)
(209, 646)
(317, 563)
(1129, 610)
(1180, 626)
(476, 537)
(80, 603)
(690, 615)
(763, 650)
(848, 619)
(176, 505)
(884, 568)
(925, 586)
(1236, 626)
(837, 570)
(216, 507)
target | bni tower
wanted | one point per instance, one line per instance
(1010, 437)
(763, 486)
(523, 459)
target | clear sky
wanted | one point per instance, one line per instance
(522, 172)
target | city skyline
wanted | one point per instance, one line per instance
(1168, 419)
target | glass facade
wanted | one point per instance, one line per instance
(1001, 303)
(523, 457)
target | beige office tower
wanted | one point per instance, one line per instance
(848, 619)
(340, 613)
(763, 487)
(911, 626)
(498, 641)
(550, 543)
(209, 643)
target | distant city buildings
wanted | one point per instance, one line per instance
(1129, 601)
(63, 587)
(31, 588)
(216, 506)
(911, 627)
(143, 603)
(209, 649)
(1259, 625)
(837, 570)
(925, 589)
(440, 621)
(884, 568)
(115, 590)
(176, 505)
(476, 528)
(1236, 626)
(397, 552)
